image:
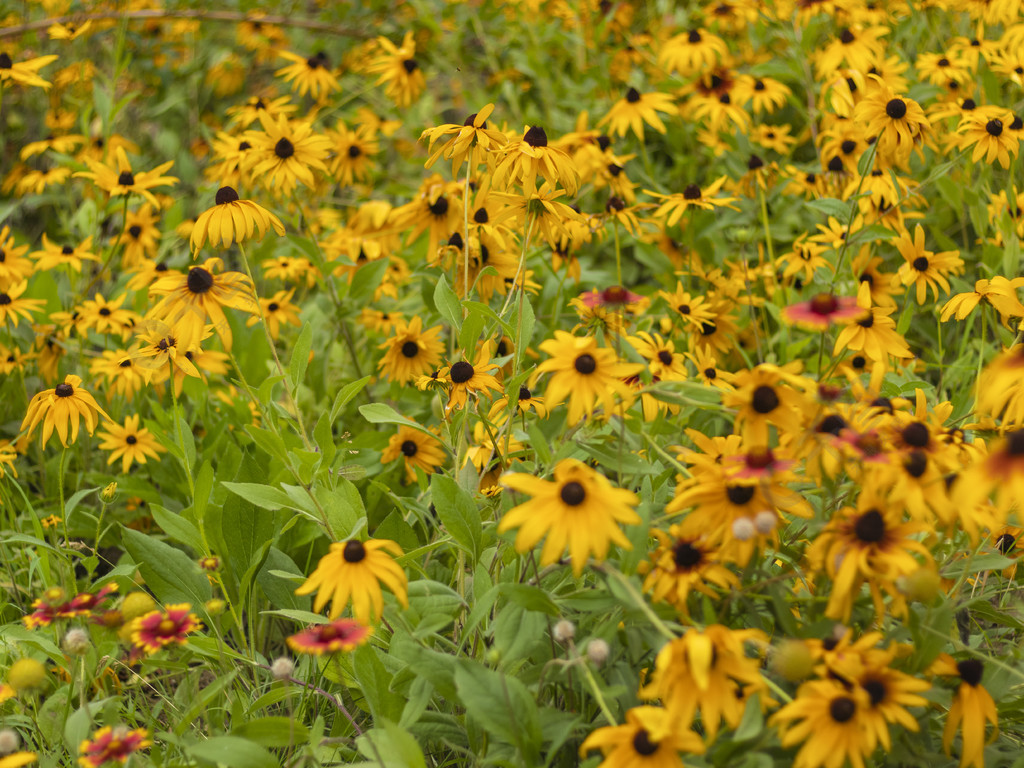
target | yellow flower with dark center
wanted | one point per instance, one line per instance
(15, 266)
(923, 268)
(830, 721)
(276, 311)
(140, 236)
(120, 373)
(464, 139)
(232, 220)
(411, 351)
(13, 307)
(972, 709)
(986, 129)
(468, 379)
(761, 398)
(417, 449)
(130, 443)
(646, 740)
(353, 153)
(580, 510)
(683, 563)
(160, 348)
(123, 181)
(24, 72)
(352, 572)
(60, 408)
(524, 159)
(104, 316)
(252, 110)
(873, 333)
(898, 122)
(399, 70)
(285, 153)
(191, 300)
(311, 75)
(634, 109)
(691, 52)
(8, 455)
(693, 196)
(585, 374)
(708, 672)
(53, 255)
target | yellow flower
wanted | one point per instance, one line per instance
(580, 510)
(24, 72)
(275, 311)
(60, 407)
(417, 449)
(473, 133)
(352, 572)
(286, 152)
(399, 70)
(312, 75)
(232, 220)
(130, 443)
(527, 158)
(635, 109)
(124, 181)
(925, 268)
(647, 740)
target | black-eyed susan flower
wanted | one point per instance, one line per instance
(972, 709)
(691, 52)
(191, 300)
(765, 94)
(130, 443)
(471, 379)
(353, 153)
(693, 196)
(14, 308)
(248, 113)
(158, 629)
(276, 311)
(1000, 292)
(633, 110)
(524, 159)
(417, 450)
(411, 351)
(330, 637)
(160, 350)
(399, 70)
(585, 374)
(112, 744)
(925, 269)
(985, 129)
(762, 397)
(580, 510)
(352, 572)
(898, 122)
(873, 333)
(104, 316)
(24, 72)
(231, 220)
(286, 152)
(310, 75)
(140, 236)
(681, 564)
(461, 140)
(122, 180)
(54, 255)
(830, 721)
(646, 739)
(62, 408)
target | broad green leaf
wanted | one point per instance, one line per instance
(391, 745)
(502, 705)
(458, 512)
(381, 413)
(233, 752)
(448, 303)
(276, 731)
(261, 495)
(300, 356)
(177, 527)
(375, 684)
(831, 207)
(346, 394)
(171, 574)
(70, 504)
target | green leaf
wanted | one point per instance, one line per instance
(391, 745)
(346, 394)
(273, 731)
(177, 527)
(300, 356)
(261, 495)
(448, 303)
(344, 508)
(458, 513)
(271, 443)
(169, 573)
(366, 280)
(831, 207)
(501, 705)
(70, 504)
(375, 683)
(381, 413)
(280, 591)
(233, 752)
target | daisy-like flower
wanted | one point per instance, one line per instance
(580, 510)
(105, 316)
(112, 744)
(411, 352)
(898, 122)
(986, 130)
(761, 399)
(646, 739)
(61, 407)
(13, 307)
(399, 70)
(585, 374)
(999, 292)
(353, 153)
(276, 311)
(417, 450)
(140, 237)
(353, 571)
(822, 311)
(160, 628)
(232, 220)
(53, 255)
(463, 140)
(123, 181)
(330, 637)
(765, 94)
(693, 196)
(923, 268)
(286, 152)
(130, 443)
(24, 72)
(311, 75)
(159, 347)
(830, 721)
(15, 759)
(15, 266)
(523, 160)
(681, 564)
(691, 52)
(874, 333)
(191, 300)
(252, 110)
(972, 709)
(471, 378)
(634, 109)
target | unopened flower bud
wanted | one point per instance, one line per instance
(9, 740)
(215, 607)
(282, 668)
(765, 522)
(76, 642)
(922, 585)
(108, 493)
(27, 675)
(743, 529)
(791, 660)
(563, 631)
(597, 651)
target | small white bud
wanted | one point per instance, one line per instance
(743, 529)
(76, 642)
(9, 740)
(563, 631)
(597, 651)
(765, 521)
(282, 668)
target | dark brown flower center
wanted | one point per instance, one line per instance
(739, 494)
(354, 151)
(847, 37)
(440, 206)
(764, 400)
(842, 709)
(632, 95)
(410, 349)
(226, 195)
(284, 148)
(354, 551)
(462, 372)
(876, 691)
(832, 424)
(994, 127)
(135, 230)
(524, 393)
(870, 527)
(410, 65)
(665, 357)
(64, 390)
(642, 743)
(199, 280)
(917, 435)
(409, 448)
(970, 671)
(573, 493)
(896, 109)
(916, 463)
(585, 364)
(67, 250)
(710, 373)
(5, 61)
(754, 163)
(1015, 442)
(694, 36)
(692, 192)
(685, 555)
(480, 216)
(126, 179)
(131, 440)
(536, 137)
